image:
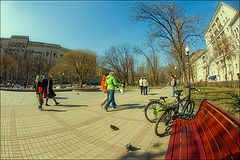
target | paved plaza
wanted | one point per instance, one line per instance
(79, 128)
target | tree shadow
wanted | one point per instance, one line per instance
(54, 110)
(61, 97)
(146, 155)
(128, 106)
(68, 106)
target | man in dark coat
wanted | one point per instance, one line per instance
(50, 92)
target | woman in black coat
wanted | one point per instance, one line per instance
(50, 92)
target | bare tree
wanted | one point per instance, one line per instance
(152, 61)
(223, 48)
(8, 66)
(170, 25)
(78, 62)
(121, 60)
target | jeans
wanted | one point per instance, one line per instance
(145, 90)
(111, 99)
(173, 87)
(141, 88)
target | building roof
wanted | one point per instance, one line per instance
(196, 55)
(215, 13)
(44, 44)
(20, 37)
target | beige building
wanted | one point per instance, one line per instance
(21, 44)
(225, 22)
(198, 62)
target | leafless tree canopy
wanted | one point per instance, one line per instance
(121, 60)
(224, 48)
(8, 66)
(169, 24)
(79, 63)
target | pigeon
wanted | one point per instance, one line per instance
(115, 128)
(77, 93)
(129, 147)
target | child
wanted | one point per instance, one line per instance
(40, 98)
(39, 92)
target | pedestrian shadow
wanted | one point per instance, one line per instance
(128, 106)
(61, 98)
(152, 94)
(69, 106)
(54, 110)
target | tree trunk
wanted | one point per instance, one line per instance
(80, 81)
(225, 66)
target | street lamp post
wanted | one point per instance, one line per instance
(187, 50)
(62, 78)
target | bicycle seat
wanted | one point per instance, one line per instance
(163, 98)
(178, 92)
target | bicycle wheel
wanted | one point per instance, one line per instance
(190, 107)
(164, 123)
(151, 111)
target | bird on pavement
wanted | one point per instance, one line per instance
(129, 147)
(115, 128)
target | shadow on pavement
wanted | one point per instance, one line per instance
(146, 155)
(152, 93)
(128, 106)
(61, 97)
(54, 110)
(72, 105)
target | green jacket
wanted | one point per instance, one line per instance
(111, 82)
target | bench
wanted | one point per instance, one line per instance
(212, 134)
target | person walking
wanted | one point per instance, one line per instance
(173, 84)
(104, 89)
(50, 92)
(141, 84)
(145, 85)
(44, 86)
(39, 92)
(111, 83)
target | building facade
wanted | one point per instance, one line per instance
(198, 62)
(21, 44)
(224, 23)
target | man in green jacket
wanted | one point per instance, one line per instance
(111, 83)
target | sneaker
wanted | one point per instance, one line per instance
(57, 103)
(114, 107)
(106, 109)
(47, 105)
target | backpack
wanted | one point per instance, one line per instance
(104, 88)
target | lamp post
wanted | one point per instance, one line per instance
(187, 50)
(62, 78)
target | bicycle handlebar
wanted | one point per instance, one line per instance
(192, 88)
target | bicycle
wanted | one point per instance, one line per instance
(155, 106)
(164, 122)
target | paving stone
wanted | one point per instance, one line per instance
(78, 128)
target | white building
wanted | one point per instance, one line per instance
(225, 22)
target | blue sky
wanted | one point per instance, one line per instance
(85, 24)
